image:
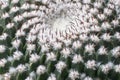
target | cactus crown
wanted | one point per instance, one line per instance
(59, 40)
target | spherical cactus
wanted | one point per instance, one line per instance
(60, 40)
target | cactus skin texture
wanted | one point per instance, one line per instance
(60, 40)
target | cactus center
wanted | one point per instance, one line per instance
(61, 24)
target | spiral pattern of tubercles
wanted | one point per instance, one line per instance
(60, 40)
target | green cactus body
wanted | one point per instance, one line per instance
(59, 40)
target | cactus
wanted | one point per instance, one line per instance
(60, 40)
